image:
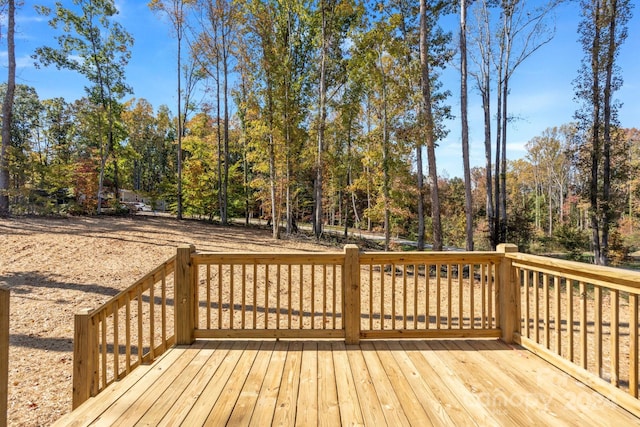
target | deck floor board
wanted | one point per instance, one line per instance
(409, 382)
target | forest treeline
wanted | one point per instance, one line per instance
(320, 112)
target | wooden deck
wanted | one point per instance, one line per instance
(409, 382)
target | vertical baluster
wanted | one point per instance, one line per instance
(324, 296)
(334, 295)
(266, 296)
(278, 304)
(127, 332)
(404, 296)
(415, 296)
(633, 345)
(208, 296)
(527, 316)
(569, 284)
(491, 276)
(232, 306)
(244, 296)
(116, 341)
(558, 315)
(140, 329)
(103, 347)
(290, 292)
(483, 293)
(438, 283)
(545, 287)
(220, 301)
(427, 296)
(152, 320)
(614, 296)
(163, 291)
(472, 290)
(583, 325)
(255, 295)
(382, 320)
(370, 296)
(313, 296)
(460, 297)
(536, 306)
(393, 296)
(597, 301)
(301, 281)
(449, 291)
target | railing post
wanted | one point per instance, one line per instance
(184, 296)
(83, 360)
(507, 294)
(4, 354)
(351, 289)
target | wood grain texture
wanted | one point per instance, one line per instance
(408, 382)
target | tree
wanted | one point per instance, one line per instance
(482, 76)
(501, 47)
(468, 205)
(97, 47)
(175, 11)
(426, 23)
(214, 51)
(335, 18)
(547, 155)
(7, 109)
(523, 32)
(262, 35)
(150, 163)
(602, 31)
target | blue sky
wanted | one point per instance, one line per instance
(541, 94)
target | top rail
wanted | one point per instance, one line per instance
(614, 278)
(430, 257)
(247, 258)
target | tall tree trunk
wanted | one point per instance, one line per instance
(484, 85)
(607, 216)
(7, 109)
(429, 127)
(385, 161)
(550, 211)
(498, 153)
(219, 142)
(420, 177)
(503, 161)
(272, 173)
(322, 111)
(595, 138)
(468, 205)
(349, 193)
(180, 131)
(224, 212)
(367, 170)
(104, 154)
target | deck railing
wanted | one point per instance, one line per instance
(4, 354)
(581, 318)
(349, 295)
(134, 327)
(584, 319)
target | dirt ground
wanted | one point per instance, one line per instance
(55, 267)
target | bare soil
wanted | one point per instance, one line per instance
(55, 267)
